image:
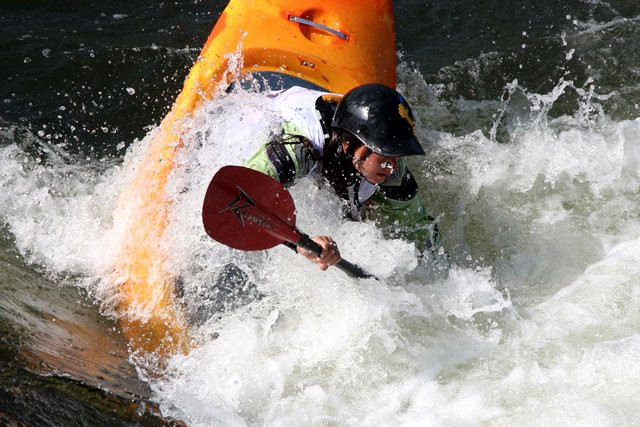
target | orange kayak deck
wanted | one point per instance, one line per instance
(334, 44)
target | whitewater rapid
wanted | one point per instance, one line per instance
(537, 320)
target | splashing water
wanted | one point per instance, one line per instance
(540, 309)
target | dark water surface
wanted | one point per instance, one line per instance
(83, 80)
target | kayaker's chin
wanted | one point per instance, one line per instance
(378, 178)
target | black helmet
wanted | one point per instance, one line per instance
(380, 118)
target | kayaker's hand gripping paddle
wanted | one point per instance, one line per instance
(248, 210)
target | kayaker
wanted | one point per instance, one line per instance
(358, 143)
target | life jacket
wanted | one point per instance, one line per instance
(309, 112)
(297, 106)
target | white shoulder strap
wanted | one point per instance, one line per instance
(298, 106)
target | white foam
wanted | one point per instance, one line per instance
(536, 322)
(57, 212)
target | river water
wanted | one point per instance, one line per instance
(533, 170)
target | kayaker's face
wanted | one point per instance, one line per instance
(374, 167)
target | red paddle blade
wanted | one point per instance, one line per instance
(248, 210)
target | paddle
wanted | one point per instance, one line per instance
(248, 210)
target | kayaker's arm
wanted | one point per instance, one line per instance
(260, 162)
(407, 220)
(397, 208)
(279, 158)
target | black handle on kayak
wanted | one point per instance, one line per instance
(344, 265)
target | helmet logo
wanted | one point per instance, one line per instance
(404, 113)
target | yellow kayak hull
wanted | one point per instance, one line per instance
(334, 44)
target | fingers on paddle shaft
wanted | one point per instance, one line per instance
(307, 243)
(321, 250)
(344, 265)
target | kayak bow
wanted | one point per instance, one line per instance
(334, 44)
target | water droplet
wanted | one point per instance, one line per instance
(131, 90)
(569, 54)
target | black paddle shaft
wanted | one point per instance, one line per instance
(344, 265)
